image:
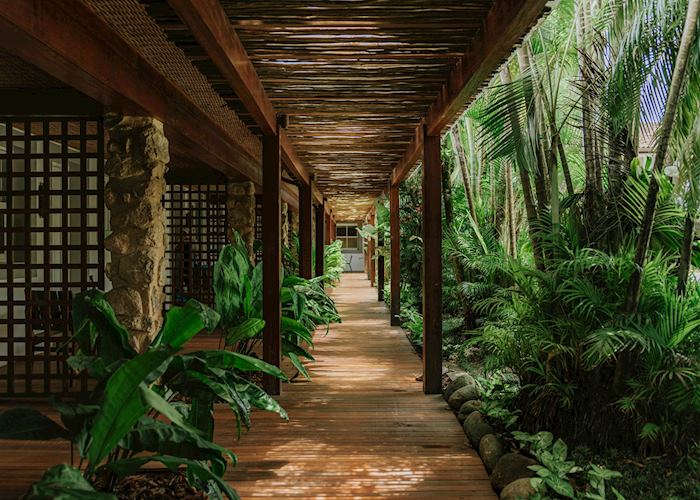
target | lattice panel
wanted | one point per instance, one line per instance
(52, 246)
(196, 228)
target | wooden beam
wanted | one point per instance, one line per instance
(432, 265)
(318, 197)
(410, 157)
(505, 24)
(69, 41)
(47, 102)
(212, 29)
(290, 195)
(272, 258)
(380, 268)
(320, 236)
(292, 160)
(371, 254)
(305, 243)
(395, 229)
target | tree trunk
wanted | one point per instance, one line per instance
(447, 192)
(564, 164)
(525, 184)
(686, 253)
(510, 212)
(474, 160)
(533, 127)
(687, 39)
(462, 161)
(591, 195)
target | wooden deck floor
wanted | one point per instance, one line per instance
(362, 428)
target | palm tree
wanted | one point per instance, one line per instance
(664, 135)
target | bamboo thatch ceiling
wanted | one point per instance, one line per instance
(354, 77)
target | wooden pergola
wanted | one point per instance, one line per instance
(324, 105)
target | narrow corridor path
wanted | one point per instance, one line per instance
(362, 428)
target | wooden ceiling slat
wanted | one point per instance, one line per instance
(212, 29)
(505, 24)
(355, 77)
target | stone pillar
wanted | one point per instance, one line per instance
(285, 224)
(240, 210)
(137, 156)
(294, 221)
(294, 230)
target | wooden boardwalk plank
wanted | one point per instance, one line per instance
(362, 428)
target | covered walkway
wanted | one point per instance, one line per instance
(362, 428)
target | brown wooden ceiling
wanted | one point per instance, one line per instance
(354, 76)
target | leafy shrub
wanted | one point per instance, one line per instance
(333, 263)
(238, 297)
(120, 426)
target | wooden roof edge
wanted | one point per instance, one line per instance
(211, 27)
(506, 23)
(105, 68)
(291, 159)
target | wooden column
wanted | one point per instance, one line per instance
(272, 257)
(372, 247)
(395, 263)
(371, 261)
(305, 243)
(432, 265)
(320, 236)
(380, 269)
(328, 224)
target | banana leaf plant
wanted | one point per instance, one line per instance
(153, 406)
(238, 298)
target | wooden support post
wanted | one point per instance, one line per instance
(272, 258)
(372, 247)
(320, 236)
(327, 226)
(432, 265)
(380, 269)
(365, 252)
(395, 263)
(305, 243)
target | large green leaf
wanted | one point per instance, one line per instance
(226, 392)
(183, 323)
(258, 397)
(296, 327)
(248, 329)
(122, 404)
(27, 423)
(226, 360)
(77, 418)
(96, 326)
(63, 482)
(201, 414)
(167, 439)
(298, 364)
(130, 465)
(290, 347)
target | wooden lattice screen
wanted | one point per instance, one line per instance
(53, 227)
(196, 228)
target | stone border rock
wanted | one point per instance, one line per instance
(508, 470)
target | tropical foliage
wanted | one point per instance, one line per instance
(238, 297)
(150, 406)
(570, 203)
